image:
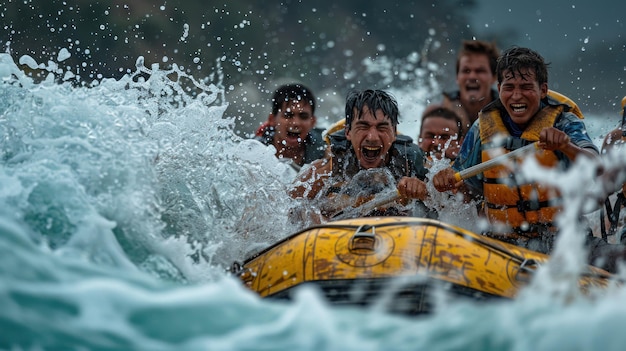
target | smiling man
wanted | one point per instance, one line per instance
(521, 212)
(368, 142)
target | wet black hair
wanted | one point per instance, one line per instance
(375, 100)
(518, 60)
(291, 92)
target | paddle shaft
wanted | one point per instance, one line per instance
(370, 205)
(494, 162)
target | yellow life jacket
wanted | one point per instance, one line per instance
(335, 127)
(558, 98)
(523, 207)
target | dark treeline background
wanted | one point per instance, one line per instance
(259, 44)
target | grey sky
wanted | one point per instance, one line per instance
(554, 28)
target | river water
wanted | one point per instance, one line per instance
(123, 203)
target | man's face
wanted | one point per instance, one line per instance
(475, 79)
(435, 133)
(292, 123)
(371, 136)
(521, 95)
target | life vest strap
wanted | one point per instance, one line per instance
(612, 214)
(512, 143)
(522, 205)
(505, 181)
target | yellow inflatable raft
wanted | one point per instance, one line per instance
(357, 261)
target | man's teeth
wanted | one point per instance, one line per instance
(518, 107)
(370, 151)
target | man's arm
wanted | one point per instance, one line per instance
(554, 139)
(310, 181)
(469, 155)
(612, 140)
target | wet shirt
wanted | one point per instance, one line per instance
(314, 145)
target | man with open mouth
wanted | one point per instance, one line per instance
(369, 141)
(475, 80)
(290, 128)
(520, 210)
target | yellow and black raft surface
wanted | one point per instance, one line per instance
(360, 261)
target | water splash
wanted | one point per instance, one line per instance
(137, 160)
(121, 201)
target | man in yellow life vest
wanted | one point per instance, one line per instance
(364, 157)
(520, 212)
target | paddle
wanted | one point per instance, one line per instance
(391, 196)
(494, 162)
(378, 201)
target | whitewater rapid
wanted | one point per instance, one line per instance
(123, 202)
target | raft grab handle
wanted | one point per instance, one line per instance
(526, 268)
(363, 239)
